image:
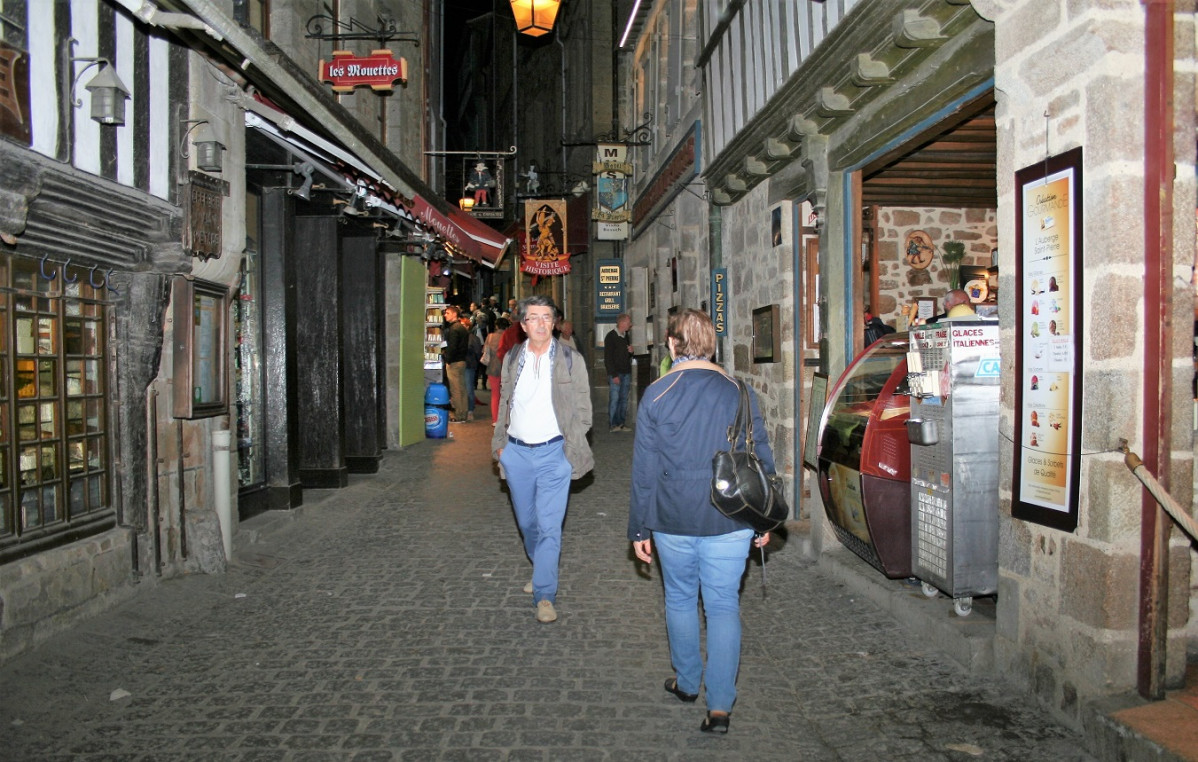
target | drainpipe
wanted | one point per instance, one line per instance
(1158, 333)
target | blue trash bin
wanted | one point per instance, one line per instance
(436, 411)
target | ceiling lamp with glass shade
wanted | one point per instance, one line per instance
(535, 17)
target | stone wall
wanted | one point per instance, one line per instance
(899, 283)
(1065, 76)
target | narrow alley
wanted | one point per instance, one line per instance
(385, 621)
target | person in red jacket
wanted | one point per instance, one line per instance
(512, 335)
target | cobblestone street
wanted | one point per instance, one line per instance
(385, 621)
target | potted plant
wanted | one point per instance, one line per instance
(950, 256)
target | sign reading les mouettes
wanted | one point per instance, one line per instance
(719, 300)
(679, 169)
(609, 289)
(380, 70)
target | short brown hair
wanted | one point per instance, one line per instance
(693, 333)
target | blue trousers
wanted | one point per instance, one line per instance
(538, 479)
(714, 566)
(617, 400)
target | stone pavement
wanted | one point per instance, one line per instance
(385, 621)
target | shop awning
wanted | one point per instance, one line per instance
(475, 239)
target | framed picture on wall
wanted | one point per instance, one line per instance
(201, 326)
(767, 339)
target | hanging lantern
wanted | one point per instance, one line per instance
(535, 17)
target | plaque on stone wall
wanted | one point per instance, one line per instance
(203, 197)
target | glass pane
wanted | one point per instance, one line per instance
(25, 343)
(94, 409)
(50, 510)
(3, 329)
(75, 457)
(3, 379)
(72, 337)
(26, 382)
(95, 453)
(49, 463)
(47, 374)
(75, 417)
(91, 338)
(5, 513)
(95, 491)
(74, 378)
(93, 379)
(45, 335)
(31, 516)
(28, 466)
(49, 420)
(78, 506)
(4, 469)
(72, 292)
(24, 273)
(27, 424)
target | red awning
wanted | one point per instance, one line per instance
(475, 239)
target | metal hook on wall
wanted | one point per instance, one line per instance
(65, 279)
(108, 282)
(50, 276)
(91, 278)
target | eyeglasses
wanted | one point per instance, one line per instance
(538, 319)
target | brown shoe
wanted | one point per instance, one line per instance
(545, 612)
(528, 587)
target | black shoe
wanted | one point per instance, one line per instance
(671, 686)
(715, 723)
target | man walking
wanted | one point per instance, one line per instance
(617, 358)
(457, 343)
(540, 441)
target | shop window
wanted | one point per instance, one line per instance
(254, 14)
(54, 463)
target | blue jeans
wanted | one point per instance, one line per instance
(617, 400)
(538, 479)
(713, 565)
(470, 374)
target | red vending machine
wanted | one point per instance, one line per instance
(865, 459)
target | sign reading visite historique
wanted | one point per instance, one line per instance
(1048, 328)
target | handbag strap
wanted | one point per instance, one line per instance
(743, 421)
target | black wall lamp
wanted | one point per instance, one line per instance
(108, 92)
(209, 150)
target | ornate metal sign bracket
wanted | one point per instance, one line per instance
(355, 30)
(641, 135)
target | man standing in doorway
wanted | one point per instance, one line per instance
(540, 441)
(617, 357)
(457, 343)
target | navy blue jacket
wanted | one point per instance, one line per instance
(681, 421)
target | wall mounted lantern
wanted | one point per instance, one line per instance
(466, 203)
(535, 17)
(209, 150)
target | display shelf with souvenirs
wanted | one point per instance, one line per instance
(434, 305)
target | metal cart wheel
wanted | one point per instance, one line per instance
(931, 591)
(963, 606)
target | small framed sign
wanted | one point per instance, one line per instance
(767, 338)
(201, 326)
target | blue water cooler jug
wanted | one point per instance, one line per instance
(436, 411)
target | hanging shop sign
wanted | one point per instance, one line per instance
(379, 71)
(679, 169)
(545, 251)
(719, 300)
(613, 179)
(1048, 335)
(203, 197)
(14, 93)
(609, 290)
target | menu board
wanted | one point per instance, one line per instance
(1048, 320)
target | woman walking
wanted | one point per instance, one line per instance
(682, 420)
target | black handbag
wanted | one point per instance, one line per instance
(740, 487)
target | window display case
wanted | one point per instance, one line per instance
(864, 457)
(434, 319)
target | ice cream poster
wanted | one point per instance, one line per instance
(1048, 322)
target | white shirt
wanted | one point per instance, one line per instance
(532, 419)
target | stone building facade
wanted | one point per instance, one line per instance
(832, 93)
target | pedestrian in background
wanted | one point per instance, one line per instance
(474, 352)
(682, 420)
(453, 354)
(512, 335)
(567, 335)
(490, 361)
(540, 441)
(617, 359)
